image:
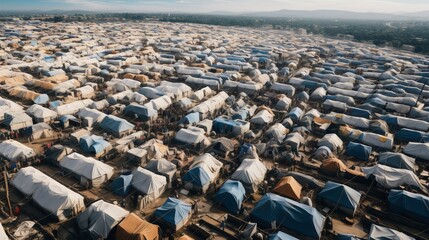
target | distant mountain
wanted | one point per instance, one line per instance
(424, 14)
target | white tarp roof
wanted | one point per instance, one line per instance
(15, 151)
(262, 117)
(148, 182)
(88, 167)
(38, 111)
(332, 141)
(74, 107)
(192, 136)
(420, 150)
(100, 218)
(8, 106)
(349, 120)
(209, 163)
(251, 172)
(91, 113)
(160, 103)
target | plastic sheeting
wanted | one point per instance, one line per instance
(231, 196)
(15, 151)
(419, 150)
(397, 160)
(251, 173)
(174, 212)
(412, 205)
(341, 196)
(381, 233)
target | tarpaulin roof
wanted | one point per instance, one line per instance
(358, 151)
(135, 228)
(397, 160)
(251, 172)
(281, 236)
(288, 187)
(294, 216)
(173, 211)
(148, 182)
(116, 125)
(419, 150)
(382, 233)
(231, 195)
(412, 205)
(15, 151)
(340, 195)
(86, 166)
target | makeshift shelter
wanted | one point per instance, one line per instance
(148, 183)
(334, 166)
(73, 107)
(288, 187)
(39, 131)
(135, 228)
(162, 167)
(89, 171)
(389, 177)
(231, 196)
(41, 114)
(332, 141)
(17, 120)
(250, 173)
(15, 151)
(47, 193)
(281, 236)
(141, 112)
(56, 153)
(358, 151)
(418, 150)
(262, 118)
(99, 219)
(232, 128)
(8, 106)
(409, 135)
(397, 160)
(411, 205)
(294, 140)
(223, 146)
(155, 149)
(322, 153)
(192, 137)
(306, 180)
(90, 116)
(341, 197)
(202, 173)
(381, 233)
(115, 125)
(276, 131)
(274, 211)
(191, 118)
(94, 144)
(173, 214)
(121, 186)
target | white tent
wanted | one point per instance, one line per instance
(149, 183)
(211, 105)
(420, 150)
(41, 130)
(376, 140)
(3, 234)
(263, 117)
(90, 170)
(96, 115)
(332, 141)
(15, 151)
(192, 136)
(160, 103)
(17, 120)
(85, 92)
(8, 106)
(41, 114)
(74, 107)
(349, 120)
(99, 219)
(48, 193)
(251, 173)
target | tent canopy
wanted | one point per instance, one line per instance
(412, 205)
(174, 212)
(340, 195)
(358, 151)
(288, 187)
(135, 228)
(397, 160)
(231, 195)
(381, 233)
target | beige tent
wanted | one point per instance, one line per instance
(135, 228)
(334, 166)
(288, 187)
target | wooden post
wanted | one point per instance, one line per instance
(7, 193)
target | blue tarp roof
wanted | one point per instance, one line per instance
(340, 195)
(93, 144)
(289, 214)
(190, 118)
(347, 237)
(173, 211)
(231, 195)
(358, 112)
(295, 114)
(197, 176)
(281, 236)
(409, 135)
(358, 151)
(240, 114)
(412, 205)
(122, 185)
(397, 160)
(115, 125)
(224, 126)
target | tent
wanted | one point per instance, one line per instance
(173, 213)
(191, 118)
(382, 233)
(93, 114)
(50, 195)
(263, 117)
(94, 144)
(223, 146)
(389, 177)
(192, 137)
(3, 234)
(148, 183)
(8, 106)
(202, 173)
(121, 186)
(56, 153)
(162, 167)
(15, 151)
(322, 153)
(99, 219)
(418, 150)
(251, 173)
(306, 180)
(231, 128)
(281, 236)
(397, 160)
(332, 141)
(17, 120)
(41, 114)
(412, 205)
(116, 125)
(39, 130)
(141, 112)
(295, 114)
(334, 166)
(274, 211)
(276, 131)
(347, 237)
(230, 196)
(358, 151)
(340, 196)
(410, 135)
(73, 107)
(288, 187)
(135, 228)
(88, 170)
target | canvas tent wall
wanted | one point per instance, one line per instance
(15, 151)
(91, 172)
(251, 173)
(121, 186)
(99, 219)
(202, 173)
(173, 214)
(340, 196)
(274, 211)
(48, 193)
(141, 112)
(148, 183)
(135, 228)
(231, 196)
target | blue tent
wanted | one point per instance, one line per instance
(358, 112)
(197, 176)
(41, 99)
(409, 135)
(412, 205)
(341, 196)
(174, 213)
(274, 211)
(225, 126)
(295, 114)
(122, 185)
(93, 144)
(378, 102)
(281, 236)
(346, 237)
(231, 195)
(397, 160)
(115, 125)
(358, 151)
(142, 112)
(191, 118)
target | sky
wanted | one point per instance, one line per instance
(382, 6)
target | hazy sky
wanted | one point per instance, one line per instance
(217, 5)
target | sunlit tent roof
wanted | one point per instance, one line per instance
(341, 196)
(380, 233)
(116, 125)
(231, 196)
(274, 211)
(15, 151)
(99, 219)
(174, 213)
(281, 236)
(288, 187)
(397, 160)
(135, 228)
(251, 173)
(149, 183)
